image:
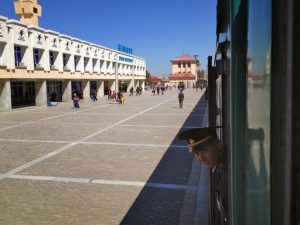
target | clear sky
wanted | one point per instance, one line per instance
(157, 30)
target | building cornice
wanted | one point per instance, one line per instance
(15, 22)
(4, 19)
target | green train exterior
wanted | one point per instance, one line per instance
(254, 95)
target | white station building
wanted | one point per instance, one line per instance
(35, 63)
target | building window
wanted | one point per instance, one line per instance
(52, 58)
(183, 65)
(93, 85)
(30, 88)
(17, 89)
(179, 65)
(18, 55)
(36, 57)
(35, 10)
(189, 65)
(76, 62)
(86, 62)
(65, 60)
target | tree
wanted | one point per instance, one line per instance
(201, 74)
(148, 78)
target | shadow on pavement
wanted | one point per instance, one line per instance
(162, 206)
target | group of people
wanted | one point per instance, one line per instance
(116, 96)
(158, 89)
(138, 91)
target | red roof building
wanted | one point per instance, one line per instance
(184, 71)
(183, 58)
(155, 79)
(182, 76)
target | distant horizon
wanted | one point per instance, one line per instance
(156, 31)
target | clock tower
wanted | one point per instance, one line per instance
(29, 11)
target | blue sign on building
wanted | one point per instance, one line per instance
(124, 49)
(121, 58)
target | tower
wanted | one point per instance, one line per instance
(29, 11)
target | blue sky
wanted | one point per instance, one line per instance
(157, 30)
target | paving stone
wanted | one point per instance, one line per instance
(14, 154)
(66, 201)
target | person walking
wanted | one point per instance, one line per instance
(162, 90)
(94, 95)
(76, 101)
(109, 94)
(153, 91)
(180, 98)
(131, 91)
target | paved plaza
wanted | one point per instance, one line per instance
(103, 164)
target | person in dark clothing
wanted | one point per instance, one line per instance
(131, 91)
(153, 91)
(109, 94)
(207, 149)
(94, 95)
(157, 89)
(180, 98)
(53, 97)
(162, 90)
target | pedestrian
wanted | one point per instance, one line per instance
(109, 94)
(180, 99)
(120, 98)
(53, 97)
(131, 91)
(137, 90)
(153, 91)
(94, 95)
(75, 101)
(157, 89)
(162, 90)
(207, 149)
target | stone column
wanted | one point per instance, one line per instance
(86, 89)
(41, 93)
(112, 85)
(117, 78)
(67, 91)
(100, 88)
(5, 96)
(131, 84)
(143, 84)
(28, 54)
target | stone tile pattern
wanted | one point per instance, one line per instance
(47, 202)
